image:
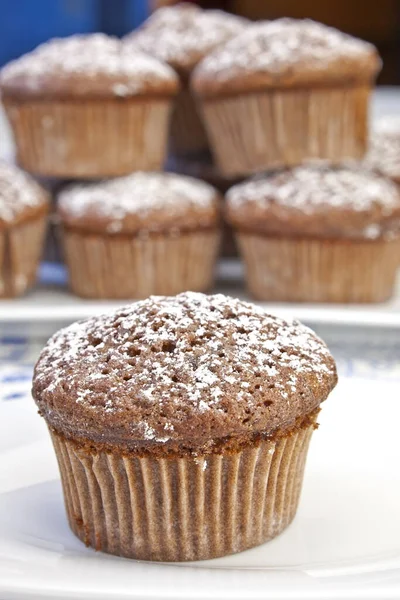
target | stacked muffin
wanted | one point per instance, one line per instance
(285, 101)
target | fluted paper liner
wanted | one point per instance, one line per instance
(254, 132)
(96, 138)
(21, 247)
(179, 509)
(106, 266)
(187, 133)
(312, 270)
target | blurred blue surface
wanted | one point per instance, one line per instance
(26, 23)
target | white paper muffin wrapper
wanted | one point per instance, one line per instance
(257, 131)
(21, 248)
(98, 138)
(311, 270)
(179, 509)
(106, 266)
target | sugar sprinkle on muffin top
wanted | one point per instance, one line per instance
(286, 52)
(319, 200)
(20, 195)
(182, 35)
(185, 370)
(384, 149)
(140, 201)
(94, 64)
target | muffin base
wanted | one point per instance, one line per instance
(276, 128)
(187, 132)
(21, 247)
(312, 270)
(113, 266)
(89, 139)
(179, 509)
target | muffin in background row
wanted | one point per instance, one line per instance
(384, 148)
(317, 234)
(147, 233)
(83, 107)
(286, 91)
(181, 424)
(182, 36)
(23, 219)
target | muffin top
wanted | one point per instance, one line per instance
(141, 202)
(93, 65)
(182, 374)
(286, 52)
(182, 35)
(21, 198)
(317, 201)
(384, 148)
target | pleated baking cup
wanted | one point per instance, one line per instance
(312, 270)
(256, 131)
(179, 509)
(187, 132)
(21, 248)
(89, 139)
(133, 266)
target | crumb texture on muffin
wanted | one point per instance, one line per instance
(182, 35)
(182, 373)
(20, 196)
(318, 201)
(384, 149)
(94, 65)
(140, 202)
(286, 52)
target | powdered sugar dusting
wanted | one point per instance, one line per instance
(384, 150)
(92, 56)
(174, 362)
(18, 191)
(182, 35)
(277, 46)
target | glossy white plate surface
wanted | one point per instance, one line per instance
(344, 542)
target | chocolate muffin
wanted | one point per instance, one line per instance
(286, 91)
(23, 216)
(81, 107)
(181, 424)
(318, 234)
(147, 233)
(384, 148)
(181, 36)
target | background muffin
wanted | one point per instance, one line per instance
(181, 36)
(384, 148)
(284, 91)
(82, 107)
(147, 233)
(181, 425)
(316, 234)
(23, 215)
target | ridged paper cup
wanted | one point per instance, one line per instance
(89, 139)
(312, 270)
(187, 133)
(180, 509)
(257, 131)
(133, 266)
(21, 248)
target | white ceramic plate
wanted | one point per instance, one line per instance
(344, 542)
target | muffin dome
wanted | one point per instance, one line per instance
(185, 372)
(182, 35)
(93, 65)
(384, 150)
(317, 201)
(140, 202)
(21, 198)
(286, 52)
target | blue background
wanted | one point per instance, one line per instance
(26, 23)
